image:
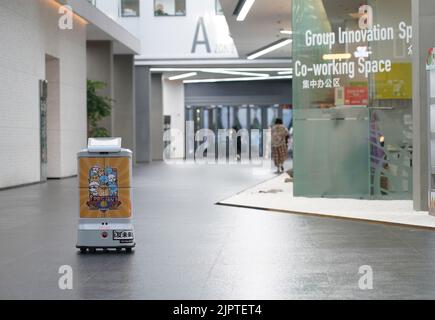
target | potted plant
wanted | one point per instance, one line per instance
(98, 107)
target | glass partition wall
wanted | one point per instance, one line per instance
(352, 98)
(248, 117)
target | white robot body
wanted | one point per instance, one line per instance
(105, 175)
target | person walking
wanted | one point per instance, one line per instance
(280, 136)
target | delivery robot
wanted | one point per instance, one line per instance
(105, 176)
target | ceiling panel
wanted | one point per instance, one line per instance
(261, 27)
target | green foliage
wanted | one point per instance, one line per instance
(99, 107)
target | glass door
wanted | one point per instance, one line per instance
(256, 123)
(202, 118)
(273, 113)
(249, 117)
(238, 117)
(287, 118)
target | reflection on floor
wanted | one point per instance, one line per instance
(277, 194)
(190, 248)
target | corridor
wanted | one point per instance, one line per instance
(190, 248)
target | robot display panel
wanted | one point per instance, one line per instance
(105, 187)
(122, 166)
(85, 165)
(118, 206)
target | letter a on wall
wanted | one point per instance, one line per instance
(201, 27)
(366, 19)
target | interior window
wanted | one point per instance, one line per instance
(219, 10)
(130, 8)
(169, 7)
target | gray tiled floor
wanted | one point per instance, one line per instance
(189, 248)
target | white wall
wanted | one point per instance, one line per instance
(29, 32)
(173, 105)
(172, 37)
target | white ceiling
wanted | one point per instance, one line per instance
(261, 27)
(239, 73)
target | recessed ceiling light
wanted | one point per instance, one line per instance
(183, 76)
(243, 8)
(272, 47)
(237, 79)
(236, 73)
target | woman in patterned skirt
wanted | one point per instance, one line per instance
(280, 137)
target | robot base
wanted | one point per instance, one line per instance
(105, 235)
(105, 249)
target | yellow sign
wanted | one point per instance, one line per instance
(394, 85)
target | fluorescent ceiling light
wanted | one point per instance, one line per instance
(337, 56)
(218, 69)
(286, 72)
(286, 32)
(183, 76)
(237, 79)
(272, 47)
(243, 9)
(236, 73)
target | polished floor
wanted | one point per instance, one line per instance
(190, 248)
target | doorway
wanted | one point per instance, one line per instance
(53, 119)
